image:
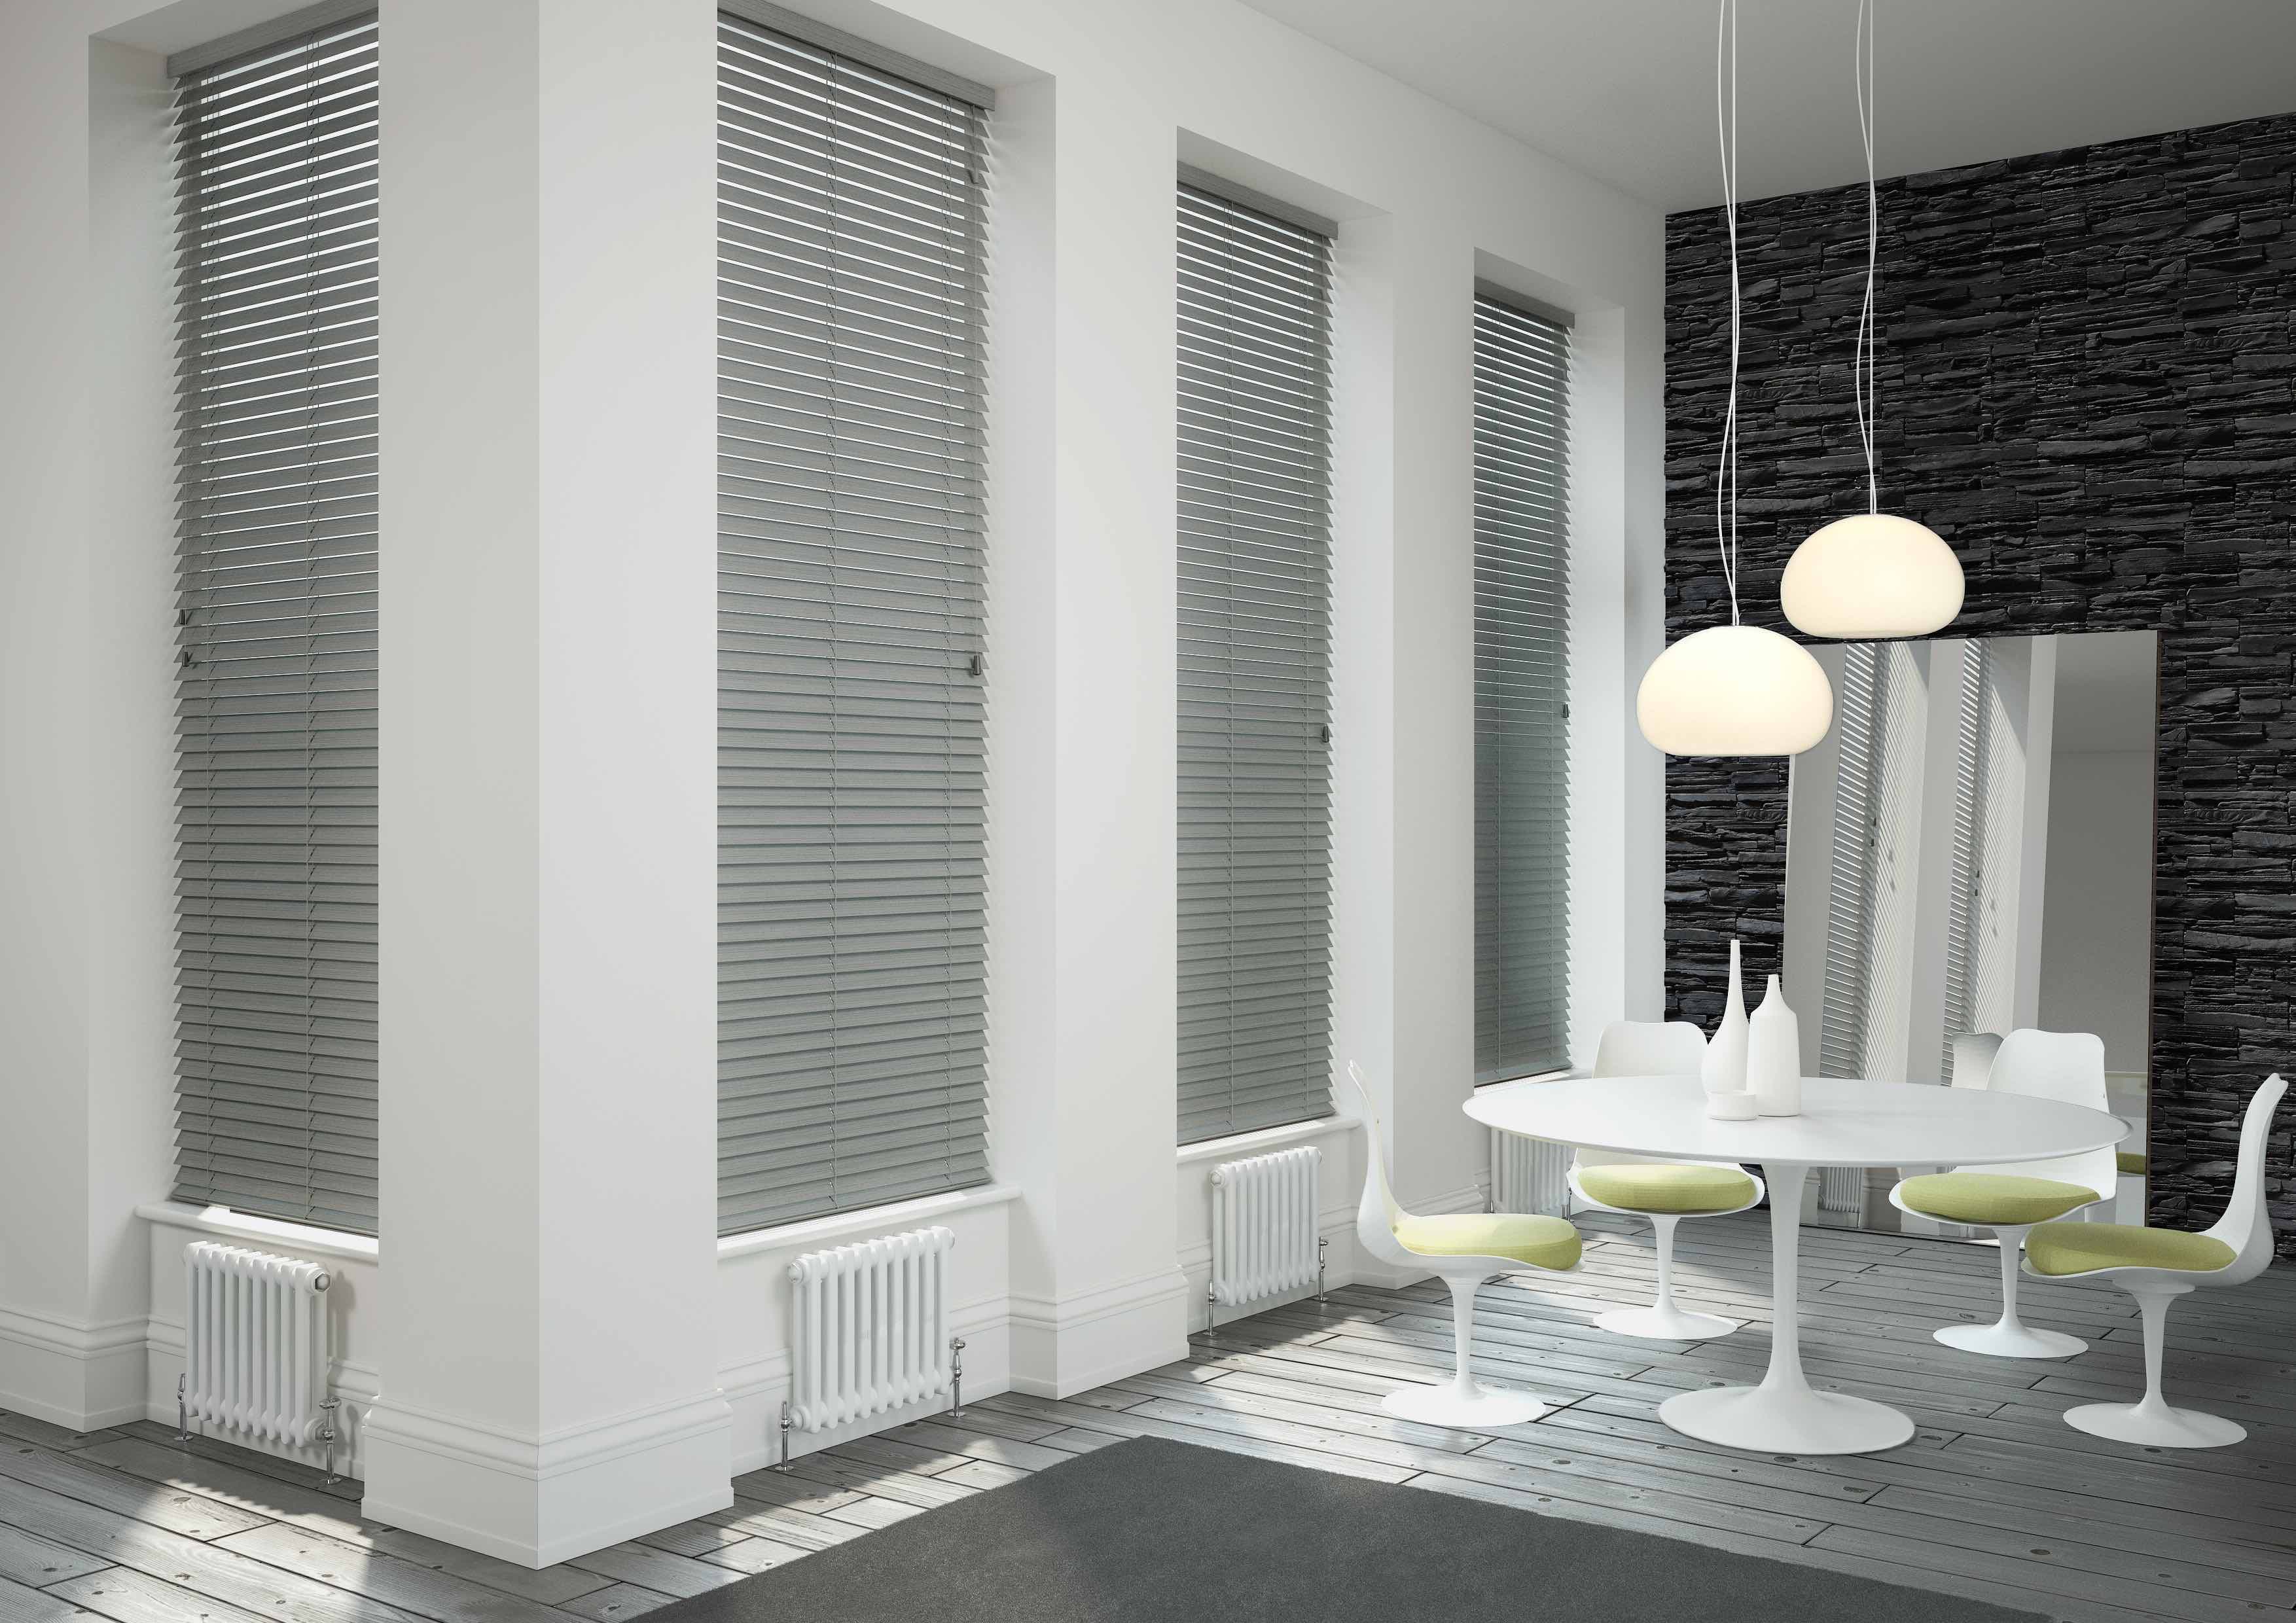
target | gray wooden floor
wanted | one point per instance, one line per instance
(1996, 1496)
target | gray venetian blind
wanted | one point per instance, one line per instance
(852, 1059)
(1255, 792)
(1522, 757)
(276, 237)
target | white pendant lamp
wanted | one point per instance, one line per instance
(1873, 574)
(1733, 689)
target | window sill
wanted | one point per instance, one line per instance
(1566, 1074)
(1262, 1140)
(227, 1224)
(856, 1224)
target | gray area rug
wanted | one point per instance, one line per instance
(1149, 1532)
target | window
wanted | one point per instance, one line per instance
(276, 151)
(1523, 757)
(1255, 792)
(852, 839)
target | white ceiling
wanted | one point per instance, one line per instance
(1624, 89)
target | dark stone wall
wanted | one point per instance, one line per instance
(2087, 385)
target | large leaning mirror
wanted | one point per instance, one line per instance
(1970, 851)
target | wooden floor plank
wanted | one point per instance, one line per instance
(226, 1575)
(616, 1601)
(424, 1591)
(36, 1563)
(21, 1604)
(128, 1596)
(657, 1570)
(194, 1515)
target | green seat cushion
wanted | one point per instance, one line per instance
(1992, 1197)
(1537, 1243)
(1665, 1187)
(2131, 1162)
(2083, 1248)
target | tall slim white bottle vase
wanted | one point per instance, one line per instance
(1724, 1069)
(1774, 1055)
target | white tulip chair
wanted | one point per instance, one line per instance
(1464, 1249)
(2011, 1200)
(1664, 1192)
(2156, 1265)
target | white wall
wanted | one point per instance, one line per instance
(545, 485)
(2096, 946)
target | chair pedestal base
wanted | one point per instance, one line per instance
(1477, 1409)
(1665, 1323)
(2155, 1425)
(1795, 1420)
(2009, 1338)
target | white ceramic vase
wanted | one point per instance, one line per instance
(1724, 1069)
(1774, 1055)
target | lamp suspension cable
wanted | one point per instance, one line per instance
(1870, 575)
(1861, 366)
(1726, 135)
(1734, 690)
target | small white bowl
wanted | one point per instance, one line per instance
(1736, 1105)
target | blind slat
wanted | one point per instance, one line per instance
(276, 156)
(1521, 387)
(1255, 789)
(852, 749)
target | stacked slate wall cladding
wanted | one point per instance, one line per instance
(2087, 385)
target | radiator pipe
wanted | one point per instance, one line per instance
(787, 1425)
(327, 1406)
(182, 1412)
(957, 1377)
(1323, 1245)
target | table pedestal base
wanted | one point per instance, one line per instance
(1786, 1421)
(1785, 1414)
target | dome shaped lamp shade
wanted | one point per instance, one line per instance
(1870, 576)
(1734, 690)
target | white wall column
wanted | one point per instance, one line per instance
(547, 1344)
(86, 563)
(1084, 570)
(1440, 1156)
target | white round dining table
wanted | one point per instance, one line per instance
(1844, 1122)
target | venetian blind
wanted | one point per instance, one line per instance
(1522, 758)
(275, 255)
(1255, 791)
(852, 840)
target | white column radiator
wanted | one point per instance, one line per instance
(255, 1344)
(870, 1330)
(1264, 1226)
(1841, 1188)
(1530, 1175)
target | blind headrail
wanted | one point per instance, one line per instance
(1274, 208)
(854, 48)
(263, 36)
